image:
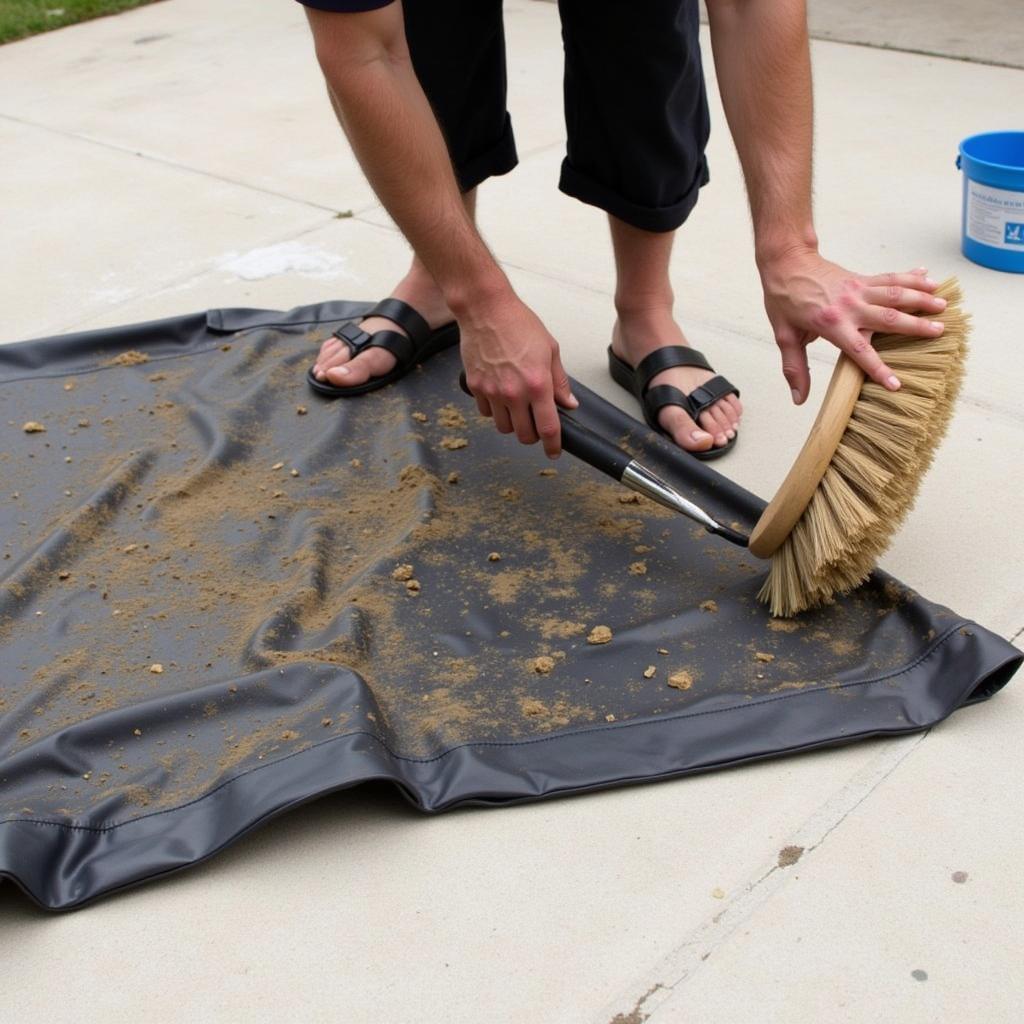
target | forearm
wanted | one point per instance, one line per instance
(395, 137)
(762, 59)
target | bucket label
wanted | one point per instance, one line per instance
(995, 216)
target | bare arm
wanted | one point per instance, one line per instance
(512, 362)
(762, 58)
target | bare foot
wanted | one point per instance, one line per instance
(634, 337)
(335, 363)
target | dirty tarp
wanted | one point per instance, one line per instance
(223, 596)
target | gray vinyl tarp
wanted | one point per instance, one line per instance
(222, 596)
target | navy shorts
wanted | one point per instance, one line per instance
(636, 110)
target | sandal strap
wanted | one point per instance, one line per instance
(711, 391)
(665, 359)
(405, 316)
(352, 335)
(402, 348)
(693, 404)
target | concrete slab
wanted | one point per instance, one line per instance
(238, 96)
(906, 912)
(990, 31)
(87, 227)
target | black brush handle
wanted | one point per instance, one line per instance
(582, 442)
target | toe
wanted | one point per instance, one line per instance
(684, 431)
(735, 410)
(374, 362)
(724, 417)
(714, 425)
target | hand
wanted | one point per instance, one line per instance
(514, 370)
(808, 297)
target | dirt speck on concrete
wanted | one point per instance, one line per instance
(533, 708)
(402, 572)
(650, 671)
(637, 568)
(783, 625)
(709, 606)
(542, 665)
(34, 427)
(453, 444)
(156, 668)
(494, 556)
(599, 635)
(764, 657)
(959, 877)
(789, 855)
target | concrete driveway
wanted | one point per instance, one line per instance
(183, 156)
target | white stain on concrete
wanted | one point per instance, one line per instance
(284, 258)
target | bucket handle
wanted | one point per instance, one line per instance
(958, 161)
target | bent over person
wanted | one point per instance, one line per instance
(419, 88)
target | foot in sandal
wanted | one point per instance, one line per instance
(691, 404)
(361, 356)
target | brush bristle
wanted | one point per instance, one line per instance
(873, 477)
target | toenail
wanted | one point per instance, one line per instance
(730, 434)
(699, 435)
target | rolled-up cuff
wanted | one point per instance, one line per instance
(647, 218)
(345, 6)
(497, 159)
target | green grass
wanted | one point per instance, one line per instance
(21, 18)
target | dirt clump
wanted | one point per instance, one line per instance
(709, 606)
(453, 444)
(650, 671)
(451, 418)
(599, 635)
(680, 680)
(402, 572)
(34, 427)
(637, 568)
(764, 657)
(542, 665)
(130, 358)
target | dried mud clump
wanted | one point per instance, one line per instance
(130, 358)
(542, 665)
(453, 444)
(34, 427)
(599, 635)
(681, 680)
(709, 606)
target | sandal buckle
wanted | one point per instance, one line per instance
(354, 336)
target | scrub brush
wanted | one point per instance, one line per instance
(858, 474)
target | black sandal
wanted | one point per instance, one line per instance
(637, 380)
(409, 352)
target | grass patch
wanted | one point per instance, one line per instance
(21, 18)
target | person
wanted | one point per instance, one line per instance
(419, 89)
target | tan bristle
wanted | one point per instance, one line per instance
(874, 476)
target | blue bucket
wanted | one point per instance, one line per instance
(993, 215)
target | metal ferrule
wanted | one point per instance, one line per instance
(639, 478)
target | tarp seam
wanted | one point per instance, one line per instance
(500, 743)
